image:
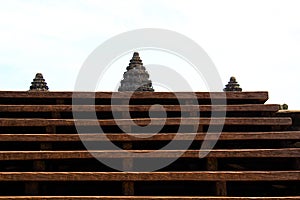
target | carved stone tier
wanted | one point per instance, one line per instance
(39, 83)
(136, 78)
(232, 85)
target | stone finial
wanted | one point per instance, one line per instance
(232, 85)
(38, 83)
(284, 107)
(136, 78)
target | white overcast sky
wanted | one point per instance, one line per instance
(256, 41)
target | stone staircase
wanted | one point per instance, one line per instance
(44, 156)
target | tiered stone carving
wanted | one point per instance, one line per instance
(232, 85)
(136, 78)
(39, 83)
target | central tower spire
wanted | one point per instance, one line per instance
(136, 78)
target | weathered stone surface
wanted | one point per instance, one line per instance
(136, 78)
(39, 83)
(232, 85)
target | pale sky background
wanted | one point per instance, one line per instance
(256, 41)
